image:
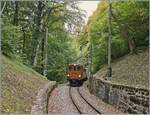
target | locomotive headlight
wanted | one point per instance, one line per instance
(79, 76)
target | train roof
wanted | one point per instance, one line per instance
(76, 64)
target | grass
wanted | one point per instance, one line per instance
(20, 85)
(19, 66)
(130, 70)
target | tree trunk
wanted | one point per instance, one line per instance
(16, 13)
(131, 43)
(36, 40)
(42, 54)
(36, 53)
(2, 8)
(24, 41)
(45, 53)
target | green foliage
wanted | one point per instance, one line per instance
(24, 34)
(134, 14)
(60, 54)
(129, 22)
(11, 42)
(119, 47)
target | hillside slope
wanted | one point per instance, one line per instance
(20, 85)
(131, 70)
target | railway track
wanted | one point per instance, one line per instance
(77, 105)
(70, 94)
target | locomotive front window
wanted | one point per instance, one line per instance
(70, 68)
(74, 68)
(78, 68)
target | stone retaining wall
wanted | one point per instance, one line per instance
(128, 99)
(40, 105)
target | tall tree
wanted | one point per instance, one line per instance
(36, 38)
(16, 7)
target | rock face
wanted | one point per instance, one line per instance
(40, 106)
(128, 99)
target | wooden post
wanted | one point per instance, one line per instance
(45, 53)
(91, 59)
(109, 40)
(0, 50)
(89, 63)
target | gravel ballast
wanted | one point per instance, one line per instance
(61, 103)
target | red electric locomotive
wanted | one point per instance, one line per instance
(76, 74)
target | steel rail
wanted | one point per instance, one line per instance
(73, 100)
(88, 102)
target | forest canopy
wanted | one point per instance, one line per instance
(130, 30)
(37, 33)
